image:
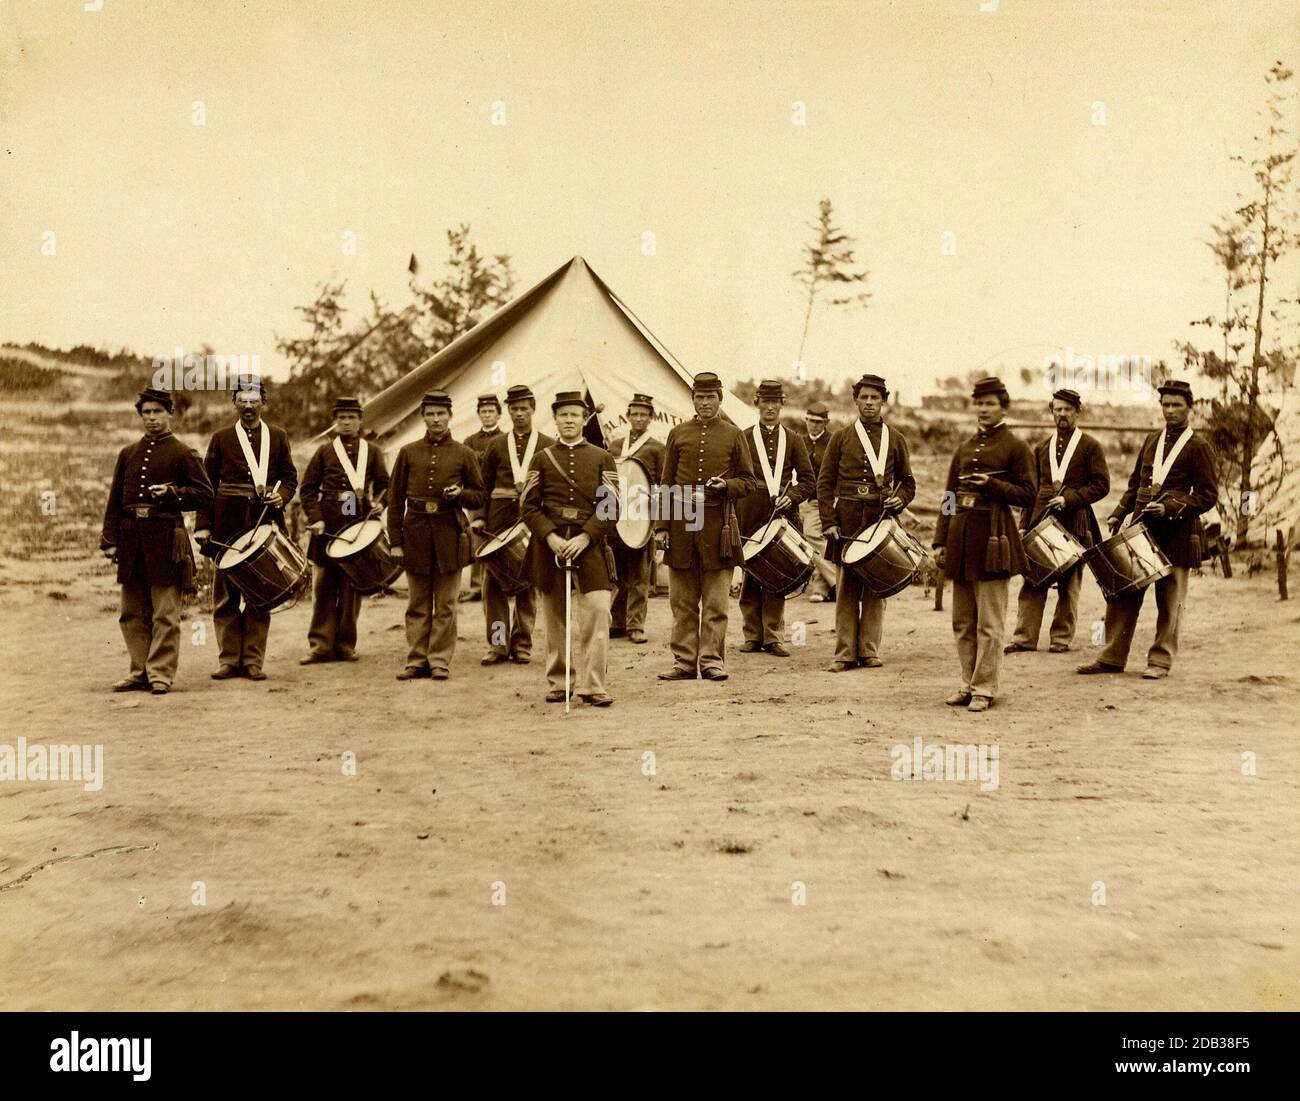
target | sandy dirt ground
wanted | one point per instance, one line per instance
(675, 890)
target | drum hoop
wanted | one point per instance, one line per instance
(354, 545)
(772, 529)
(502, 539)
(250, 549)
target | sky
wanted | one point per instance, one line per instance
(1075, 152)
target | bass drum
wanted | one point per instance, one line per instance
(635, 512)
(1050, 552)
(1127, 562)
(887, 560)
(779, 558)
(266, 566)
(505, 557)
(361, 552)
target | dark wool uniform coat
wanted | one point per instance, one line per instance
(753, 511)
(432, 542)
(327, 494)
(650, 454)
(848, 495)
(148, 543)
(1188, 491)
(503, 506)
(694, 453)
(234, 509)
(964, 531)
(571, 489)
(478, 441)
(1086, 481)
(817, 448)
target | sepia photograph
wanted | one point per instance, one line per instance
(727, 506)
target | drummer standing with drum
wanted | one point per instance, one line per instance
(434, 478)
(156, 479)
(627, 613)
(489, 413)
(252, 472)
(570, 504)
(865, 474)
(706, 462)
(344, 483)
(1072, 477)
(979, 545)
(787, 477)
(1171, 486)
(505, 469)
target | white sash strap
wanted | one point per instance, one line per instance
(629, 448)
(876, 460)
(1160, 467)
(1058, 471)
(770, 476)
(259, 468)
(356, 474)
(519, 467)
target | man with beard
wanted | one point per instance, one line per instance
(344, 484)
(156, 479)
(252, 473)
(1072, 476)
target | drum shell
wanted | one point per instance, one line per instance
(890, 567)
(370, 569)
(784, 565)
(508, 564)
(1127, 562)
(270, 575)
(1050, 552)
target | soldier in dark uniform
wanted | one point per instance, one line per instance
(571, 507)
(505, 467)
(1072, 475)
(251, 469)
(434, 478)
(866, 471)
(629, 608)
(1171, 486)
(979, 545)
(489, 413)
(706, 469)
(816, 438)
(786, 478)
(345, 483)
(154, 481)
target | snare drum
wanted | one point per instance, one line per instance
(1050, 552)
(361, 551)
(265, 565)
(1127, 562)
(634, 512)
(887, 560)
(778, 557)
(506, 558)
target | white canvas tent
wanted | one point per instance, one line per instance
(568, 332)
(1280, 470)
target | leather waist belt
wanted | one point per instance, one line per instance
(865, 491)
(505, 495)
(429, 505)
(225, 490)
(569, 515)
(972, 502)
(143, 512)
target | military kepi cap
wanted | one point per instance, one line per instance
(643, 400)
(438, 398)
(1179, 386)
(489, 399)
(568, 397)
(706, 382)
(770, 389)
(990, 384)
(162, 397)
(1071, 396)
(519, 393)
(819, 409)
(346, 405)
(873, 381)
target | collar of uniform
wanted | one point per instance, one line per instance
(817, 437)
(156, 439)
(868, 426)
(428, 438)
(1173, 431)
(576, 443)
(769, 427)
(985, 433)
(712, 420)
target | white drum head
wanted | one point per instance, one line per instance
(498, 541)
(860, 548)
(634, 512)
(758, 542)
(353, 540)
(245, 546)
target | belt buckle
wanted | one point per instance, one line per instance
(967, 500)
(430, 506)
(141, 511)
(569, 513)
(864, 491)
